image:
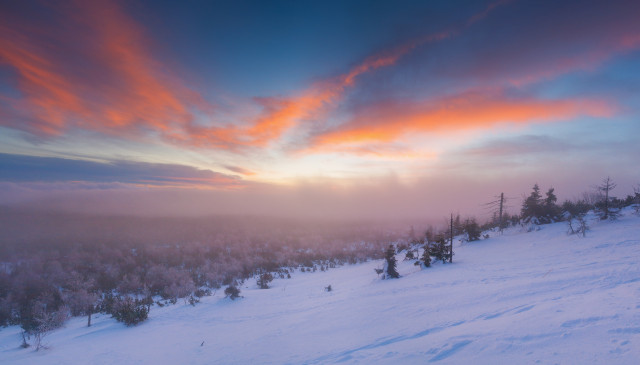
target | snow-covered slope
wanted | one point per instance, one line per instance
(538, 297)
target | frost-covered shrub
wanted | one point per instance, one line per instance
(129, 311)
(202, 292)
(577, 225)
(194, 300)
(43, 322)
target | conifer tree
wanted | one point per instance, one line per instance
(472, 229)
(232, 291)
(551, 210)
(426, 256)
(531, 205)
(440, 250)
(605, 209)
(390, 265)
(264, 279)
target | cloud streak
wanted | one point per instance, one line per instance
(391, 121)
(21, 168)
(281, 114)
(90, 67)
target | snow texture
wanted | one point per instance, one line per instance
(520, 298)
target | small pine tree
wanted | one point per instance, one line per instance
(472, 229)
(551, 210)
(390, 265)
(232, 292)
(531, 205)
(426, 256)
(440, 250)
(409, 255)
(264, 280)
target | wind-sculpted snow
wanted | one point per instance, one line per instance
(520, 298)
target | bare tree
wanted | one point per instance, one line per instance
(47, 321)
(80, 297)
(578, 225)
(82, 302)
(498, 208)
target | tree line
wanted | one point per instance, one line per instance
(536, 209)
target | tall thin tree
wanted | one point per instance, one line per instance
(606, 186)
(451, 247)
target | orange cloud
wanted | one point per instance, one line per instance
(133, 92)
(282, 114)
(125, 90)
(49, 96)
(378, 151)
(390, 122)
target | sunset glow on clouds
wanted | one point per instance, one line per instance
(139, 85)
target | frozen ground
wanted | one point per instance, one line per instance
(521, 298)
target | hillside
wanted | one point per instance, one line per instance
(537, 297)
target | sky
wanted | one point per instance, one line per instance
(329, 108)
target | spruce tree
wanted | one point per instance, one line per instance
(390, 267)
(426, 256)
(264, 279)
(531, 205)
(605, 210)
(472, 229)
(232, 291)
(551, 210)
(440, 250)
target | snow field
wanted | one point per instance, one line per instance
(520, 298)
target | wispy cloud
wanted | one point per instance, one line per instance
(280, 114)
(21, 168)
(239, 170)
(90, 67)
(391, 121)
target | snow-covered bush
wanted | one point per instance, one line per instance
(232, 292)
(577, 225)
(409, 255)
(264, 279)
(45, 321)
(129, 311)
